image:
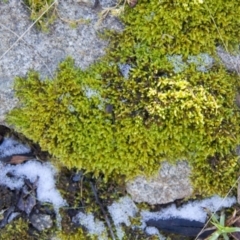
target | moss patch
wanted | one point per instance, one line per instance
(102, 122)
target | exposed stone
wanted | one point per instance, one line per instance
(13, 216)
(77, 177)
(170, 184)
(41, 221)
(230, 61)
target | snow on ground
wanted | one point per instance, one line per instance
(10, 146)
(121, 211)
(193, 210)
(43, 174)
(94, 226)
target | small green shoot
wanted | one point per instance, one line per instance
(221, 228)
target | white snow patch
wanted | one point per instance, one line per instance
(193, 210)
(10, 146)
(120, 233)
(121, 211)
(42, 173)
(151, 230)
(94, 226)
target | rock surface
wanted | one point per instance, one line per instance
(23, 47)
(170, 184)
(41, 221)
(231, 62)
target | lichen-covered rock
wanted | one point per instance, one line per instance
(171, 183)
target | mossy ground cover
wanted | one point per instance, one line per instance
(100, 121)
(117, 127)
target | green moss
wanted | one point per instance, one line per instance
(20, 229)
(101, 122)
(79, 235)
(76, 128)
(157, 28)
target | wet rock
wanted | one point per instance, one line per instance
(41, 221)
(12, 216)
(27, 199)
(170, 184)
(77, 177)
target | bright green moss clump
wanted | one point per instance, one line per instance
(104, 123)
(185, 118)
(158, 28)
(63, 120)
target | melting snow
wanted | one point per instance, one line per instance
(10, 146)
(121, 211)
(193, 210)
(43, 174)
(33, 170)
(94, 226)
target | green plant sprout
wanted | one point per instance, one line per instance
(221, 228)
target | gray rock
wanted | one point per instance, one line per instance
(41, 221)
(170, 184)
(78, 176)
(125, 70)
(23, 47)
(13, 216)
(230, 61)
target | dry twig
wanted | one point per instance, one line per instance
(102, 209)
